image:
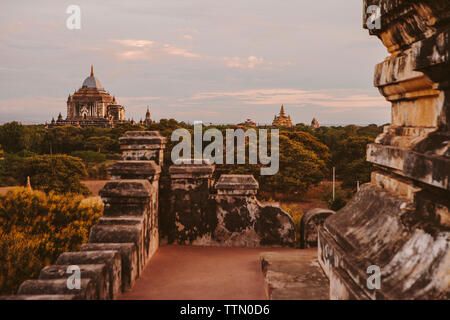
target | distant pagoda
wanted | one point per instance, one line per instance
(148, 120)
(91, 106)
(282, 120)
(248, 123)
(315, 124)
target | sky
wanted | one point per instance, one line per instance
(196, 60)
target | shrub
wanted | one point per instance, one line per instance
(35, 228)
(89, 156)
(339, 200)
(57, 173)
(296, 215)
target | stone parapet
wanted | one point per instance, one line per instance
(399, 222)
(135, 169)
(232, 217)
(143, 145)
(235, 184)
(123, 240)
(189, 192)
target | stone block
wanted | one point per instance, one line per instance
(129, 255)
(116, 233)
(58, 287)
(111, 258)
(135, 169)
(96, 272)
(143, 145)
(237, 184)
(294, 275)
(309, 226)
(41, 297)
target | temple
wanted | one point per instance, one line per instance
(92, 106)
(148, 120)
(282, 120)
(315, 123)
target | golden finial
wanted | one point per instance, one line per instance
(92, 70)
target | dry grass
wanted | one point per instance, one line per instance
(93, 185)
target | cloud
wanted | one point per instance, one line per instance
(31, 109)
(134, 42)
(251, 62)
(333, 98)
(148, 49)
(188, 37)
(139, 50)
(175, 51)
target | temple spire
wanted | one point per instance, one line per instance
(92, 70)
(282, 109)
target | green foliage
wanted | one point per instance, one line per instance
(339, 199)
(89, 156)
(11, 136)
(35, 228)
(296, 215)
(58, 173)
(65, 139)
(101, 144)
(357, 170)
(306, 155)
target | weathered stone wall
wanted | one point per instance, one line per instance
(189, 187)
(125, 237)
(231, 217)
(310, 224)
(400, 221)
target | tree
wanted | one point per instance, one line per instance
(65, 139)
(11, 136)
(299, 166)
(101, 144)
(58, 173)
(35, 228)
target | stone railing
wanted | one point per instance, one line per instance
(400, 221)
(231, 217)
(124, 239)
(127, 235)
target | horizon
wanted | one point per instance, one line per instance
(199, 61)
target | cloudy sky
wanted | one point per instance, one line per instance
(215, 61)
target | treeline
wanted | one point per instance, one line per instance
(51, 155)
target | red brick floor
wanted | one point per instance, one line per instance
(202, 273)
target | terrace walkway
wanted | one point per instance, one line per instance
(202, 273)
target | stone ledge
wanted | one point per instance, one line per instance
(110, 258)
(142, 140)
(237, 184)
(97, 272)
(41, 297)
(122, 234)
(191, 171)
(126, 189)
(294, 275)
(129, 255)
(373, 229)
(134, 169)
(58, 287)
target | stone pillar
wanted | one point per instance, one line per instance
(190, 185)
(239, 219)
(400, 221)
(143, 157)
(143, 145)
